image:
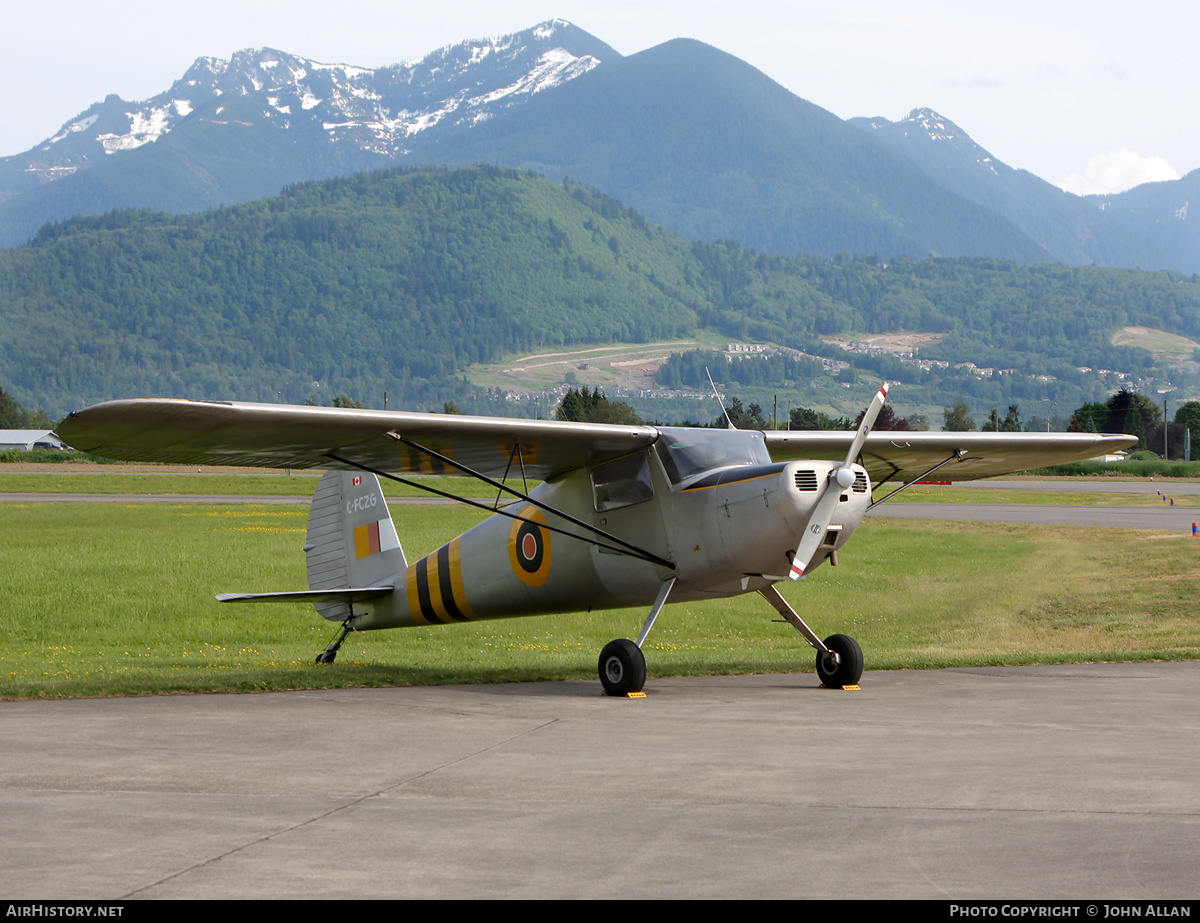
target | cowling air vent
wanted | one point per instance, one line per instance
(860, 482)
(806, 479)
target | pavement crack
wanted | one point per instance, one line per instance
(266, 838)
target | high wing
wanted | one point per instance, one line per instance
(286, 436)
(904, 456)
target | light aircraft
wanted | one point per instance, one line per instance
(625, 515)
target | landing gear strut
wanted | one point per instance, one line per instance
(839, 658)
(330, 653)
(622, 663)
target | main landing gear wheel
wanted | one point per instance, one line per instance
(622, 667)
(847, 670)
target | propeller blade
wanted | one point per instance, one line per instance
(818, 522)
(840, 479)
(868, 420)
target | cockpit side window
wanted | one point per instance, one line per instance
(622, 483)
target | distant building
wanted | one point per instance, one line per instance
(29, 439)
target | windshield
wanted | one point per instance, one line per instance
(688, 452)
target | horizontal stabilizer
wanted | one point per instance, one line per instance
(346, 595)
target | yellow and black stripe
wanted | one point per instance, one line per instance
(436, 594)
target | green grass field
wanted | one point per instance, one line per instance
(116, 598)
(300, 484)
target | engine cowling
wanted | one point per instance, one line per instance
(762, 519)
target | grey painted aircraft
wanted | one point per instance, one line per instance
(625, 515)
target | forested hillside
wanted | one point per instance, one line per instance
(397, 281)
(388, 281)
(991, 310)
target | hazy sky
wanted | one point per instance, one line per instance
(1087, 95)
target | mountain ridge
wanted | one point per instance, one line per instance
(299, 119)
(778, 174)
(733, 154)
(1071, 228)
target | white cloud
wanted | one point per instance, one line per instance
(1110, 71)
(1117, 171)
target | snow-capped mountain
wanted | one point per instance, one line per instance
(1070, 228)
(926, 125)
(691, 137)
(342, 117)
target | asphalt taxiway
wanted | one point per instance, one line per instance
(1030, 782)
(1162, 518)
(1157, 513)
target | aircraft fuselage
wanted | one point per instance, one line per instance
(710, 502)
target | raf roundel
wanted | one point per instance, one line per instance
(529, 547)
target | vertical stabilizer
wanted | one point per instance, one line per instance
(352, 542)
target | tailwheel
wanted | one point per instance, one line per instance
(844, 670)
(330, 653)
(622, 667)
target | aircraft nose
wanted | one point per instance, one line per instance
(805, 482)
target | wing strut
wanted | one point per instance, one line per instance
(520, 457)
(636, 551)
(632, 551)
(958, 453)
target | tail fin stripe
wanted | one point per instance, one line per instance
(366, 540)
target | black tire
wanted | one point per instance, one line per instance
(326, 656)
(622, 667)
(848, 671)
